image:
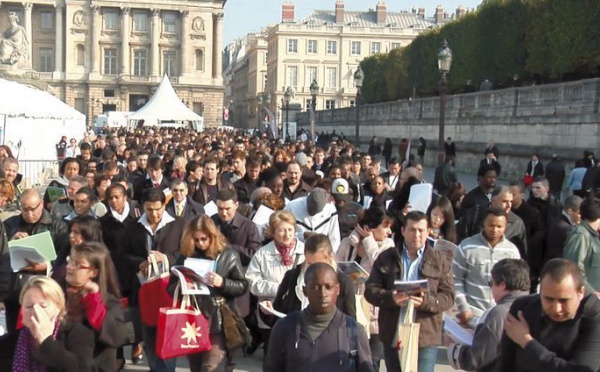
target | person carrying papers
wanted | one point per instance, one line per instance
(510, 280)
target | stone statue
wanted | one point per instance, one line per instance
(14, 43)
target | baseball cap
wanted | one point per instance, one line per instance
(340, 189)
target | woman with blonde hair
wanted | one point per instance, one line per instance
(9, 205)
(202, 239)
(46, 342)
(270, 263)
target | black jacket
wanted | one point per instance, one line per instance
(145, 184)
(245, 187)
(570, 346)
(234, 285)
(538, 171)
(302, 190)
(555, 174)
(556, 238)
(191, 209)
(242, 234)
(201, 194)
(287, 301)
(493, 163)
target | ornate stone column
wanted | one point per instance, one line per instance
(29, 29)
(185, 35)
(217, 44)
(125, 32)
(155, 41)
(58, 36)
(95, 54)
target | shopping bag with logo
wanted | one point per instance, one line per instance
(153, 293)
(182, 329)
(407, 340)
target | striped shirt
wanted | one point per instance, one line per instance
(472, 266)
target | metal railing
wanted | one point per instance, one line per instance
(37, 172)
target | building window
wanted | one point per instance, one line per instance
(332, 47)
(111, 19)
(311, 74)
(140, 22)
(352, 103)
(375, 47)
(395, 45)
(46, 59)
(46, 20)
(170, 62)
(329, 104)
(331, 77)
(110, 93)
(80, 54)
(110, 61)
(198, 108)
(292, 76)
(355, 48)
(170, 22)
(292, 46)
(311, 47)
(308, 105)
(199, 60)
(79, 105)
(139, 62)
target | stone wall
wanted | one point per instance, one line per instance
(556, 118)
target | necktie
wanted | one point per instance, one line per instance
(179, 209)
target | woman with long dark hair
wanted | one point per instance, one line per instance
(441, 219)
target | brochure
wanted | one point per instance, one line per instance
(262, 215)
(412, 287)
(56, 193)
(354, 271)
(456, 332)
(445, 245)
(210, 209)
(36, 248)
(278, 314)
(190, 282)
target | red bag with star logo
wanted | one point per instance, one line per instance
(181, 330)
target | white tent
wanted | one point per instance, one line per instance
(32, 121)
(166, 106)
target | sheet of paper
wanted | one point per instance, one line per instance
(210, 208)
(37, 248)
(272, 311)
(199, 266)
(2, 322)
(420, 197)
(261, 217)
(190, 283)
(367, 201)
(456, 332)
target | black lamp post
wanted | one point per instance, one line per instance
(359, 77)
(259, 100)
(444, 62)
(287, 96)
(314, 90)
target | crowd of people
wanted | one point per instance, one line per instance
(281, 221)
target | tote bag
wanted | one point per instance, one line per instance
(153, 293)
(407, 340)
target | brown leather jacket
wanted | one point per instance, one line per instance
(437, 269)
(201, 195)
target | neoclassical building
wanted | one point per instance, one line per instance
(109, 55)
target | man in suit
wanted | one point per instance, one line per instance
(155, 179)
(392, 175)
(211, 183)
(181, 205)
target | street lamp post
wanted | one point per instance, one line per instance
(287, 96)
(359, 77)
(444, 62)
(314, 90)
(259, 100)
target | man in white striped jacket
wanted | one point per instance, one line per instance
(473, 262)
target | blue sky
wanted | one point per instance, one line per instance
(244, 16)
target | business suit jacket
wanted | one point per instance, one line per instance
(190, 210)
(494, 163)
(201, 195)
(145, 184)
(242, 235)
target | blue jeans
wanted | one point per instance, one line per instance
(427, 359)
(154, 362)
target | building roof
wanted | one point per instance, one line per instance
(369, 19)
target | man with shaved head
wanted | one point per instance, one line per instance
(320, 337)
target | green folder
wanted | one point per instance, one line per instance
(37, 248)
(56, 193)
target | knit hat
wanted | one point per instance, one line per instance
(316, 200)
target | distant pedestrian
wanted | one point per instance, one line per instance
(450, 149)
(387, 151)
(575, 180)
(421, 149)
(491, 148)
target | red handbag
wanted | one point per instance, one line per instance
(153, 293)
(182, 330)
(527, 180)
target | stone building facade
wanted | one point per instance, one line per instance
(109, 55)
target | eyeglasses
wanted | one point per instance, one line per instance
(77, 265)
(31, 209)
(178, 190)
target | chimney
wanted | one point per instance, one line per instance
(421, 12)
(339, 11)
(288, 12)
(460, 11)
(439, 14)
(381, 12)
